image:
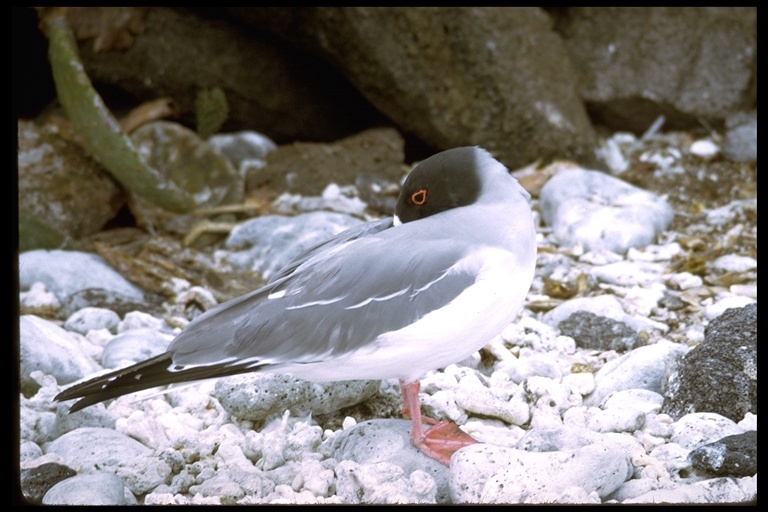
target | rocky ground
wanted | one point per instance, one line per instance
(596, 383)
(630, 375)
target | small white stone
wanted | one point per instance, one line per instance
(749, 422)
(139, 319)
(704, 148)
(39, 297)
(641, 301)
(718, 308)
(684, 281)
(746, 290)
(581, 383)
(734, 263)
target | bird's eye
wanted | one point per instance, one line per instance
(419, 197)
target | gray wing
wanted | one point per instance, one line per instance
(333, 301)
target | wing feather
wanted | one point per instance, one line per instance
(331, 303)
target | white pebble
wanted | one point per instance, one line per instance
(581, 383)
(39, 297)
(139, 319)
(746, 290)
(718, 308)
(684, 281)
(640, 301)
(734, 263)
(704, 148)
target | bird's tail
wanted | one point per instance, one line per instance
(156, 371)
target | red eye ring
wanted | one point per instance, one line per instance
(419, 197)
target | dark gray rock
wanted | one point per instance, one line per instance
(740, 143)
(270, 87)
(452, 76)
(734, 456)
(35, 482)
(720, 374)
(307, 168)
(598, 332)
(60, 184)
(638, 63)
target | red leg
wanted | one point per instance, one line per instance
(441, 440)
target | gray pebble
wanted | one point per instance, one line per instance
(89, 319)
(741, 137)
(133, 346)
(255, 396)
(241, 146)
(93, 489)
(599, 332)
(734, 455)
(266, 244)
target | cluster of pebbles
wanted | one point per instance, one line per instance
(629, 377)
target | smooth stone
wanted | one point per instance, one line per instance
(47, 347)
(68, 272)
(90, 489)
(134, 346)
(242, 146)
(383, 483)
(716, 490)
(90, 319)
(700, 428)
(644, 368)
(266, 244)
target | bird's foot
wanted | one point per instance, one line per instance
(424, 419)
(443, 440)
